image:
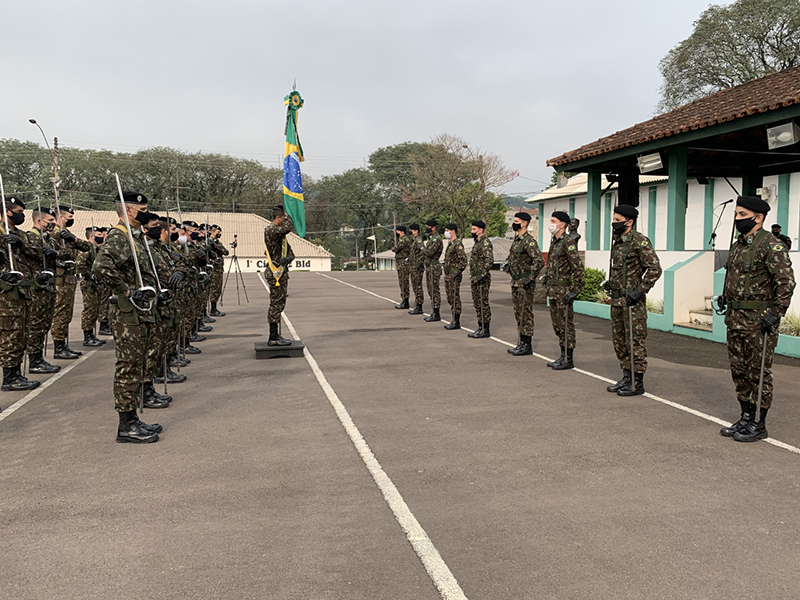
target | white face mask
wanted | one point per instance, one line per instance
(447, 235)
(553, 227)
(182, 239)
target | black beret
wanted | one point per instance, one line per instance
(776, 225)
(132, 197)
(46, 211)
(154, 217)
(90, 228)
(479, 223)
(400, 228)
(62, 208)
(523, 216)
(561, 216)
(414, 227)
(202, 227)
(431, 223)
(13, 200)
(216, 227)
(172, 221)
(753, 203)
(451, 227)
(627, 211)
(190, 224)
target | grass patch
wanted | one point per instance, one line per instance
(655, 306)
(790, 325)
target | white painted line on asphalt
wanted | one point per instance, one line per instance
(33, 393)
(670, 403)
(437, 569)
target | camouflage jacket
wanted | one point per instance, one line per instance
(35, 238)
(26, 260)
(274, 236)
(402, 249)
(634, 264)
(115, 267)
(768, 279)
(416, 256)
(72, 248)
(219, 251)
(524, 259)
(455, 259)
(432, 251)
(564, 267)
(481, 258)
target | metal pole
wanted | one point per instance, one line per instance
(130, 233)
(761, 378)
(630, 323)
(8, 231)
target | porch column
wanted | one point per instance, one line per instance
(676, 199)
(593, 210)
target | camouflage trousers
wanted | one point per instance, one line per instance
(744, 353)
(433, 273)
(216, 284)
(65, 304)
(40, 317)
(131, 343)
(13, 320)
(621, 334)
(416, 283)
(158, 343)
(480, 299)
(102, 313)
(277, 297)
(93, 298)
(522, 300)
(403, 275)
(453, 291)
(559, 312)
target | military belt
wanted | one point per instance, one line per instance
(558, 282)
(25, 283)
(521, 276)
(616, 294)
(750, 304)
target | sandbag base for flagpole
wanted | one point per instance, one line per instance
(294, 351)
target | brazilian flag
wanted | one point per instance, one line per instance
(292, 157)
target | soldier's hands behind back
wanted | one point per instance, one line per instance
(480, 278)
(633, 296)
(457, 277)
(570, 297)
(420, 268)
(527, 283)
(769, 323)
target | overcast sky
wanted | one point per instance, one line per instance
(527, 80)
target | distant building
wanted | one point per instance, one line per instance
(533, 226)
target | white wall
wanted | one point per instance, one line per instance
(251, 264)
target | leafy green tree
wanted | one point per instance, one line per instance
(731, 45)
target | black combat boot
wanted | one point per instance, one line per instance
(403, 304)
(152, 399)
(207, 318)
(417, 310)
(455, 323)
(62, 351)
(434, 317)
(90, 340)
(275, 338)
(129, 430)
(566, 363)
(172, 377)
(177, 361)
(104, 328)
(214, 312)
(477, 331)
(196, 337)
(560, 360)
(635, 388)
(203, 327)
(746, 417)
(481, 332)
(624, 382)
(754, 431)
(524, 348)
(189, 349)
(14, 381)
(39, 366)
(154, 428)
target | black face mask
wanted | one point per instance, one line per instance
(98, 240)
(428, 231)
(474, 236)
(173, 237)
(619, 228)
(50, 227)
(154, 233)
(745, 225)
(17, 218)
(516, 226)
(194, 235)
(143, 217)
(69, 223)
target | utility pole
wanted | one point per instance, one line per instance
(394, 224)
(56, 179)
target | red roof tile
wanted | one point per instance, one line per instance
(760, 95)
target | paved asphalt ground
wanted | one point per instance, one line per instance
(529, 483)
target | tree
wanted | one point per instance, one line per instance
(731, 45)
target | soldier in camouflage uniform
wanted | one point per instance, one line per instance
(431, 254)
(66, 282)
(759, 283)
(523, 264)
(402, 250)
(91, 290)
(455, 261)
(133, 314)
(279, 257)
(416, 265)
(102, 314)
(634, 270)
(15, 296)
(219, 266)
(481, 259)
(43, 291)
(784, 239)
(564, 283)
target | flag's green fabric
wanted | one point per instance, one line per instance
(292, 157)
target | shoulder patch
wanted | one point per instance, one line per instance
(571, 247)
(644, 243)
(777, 247)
